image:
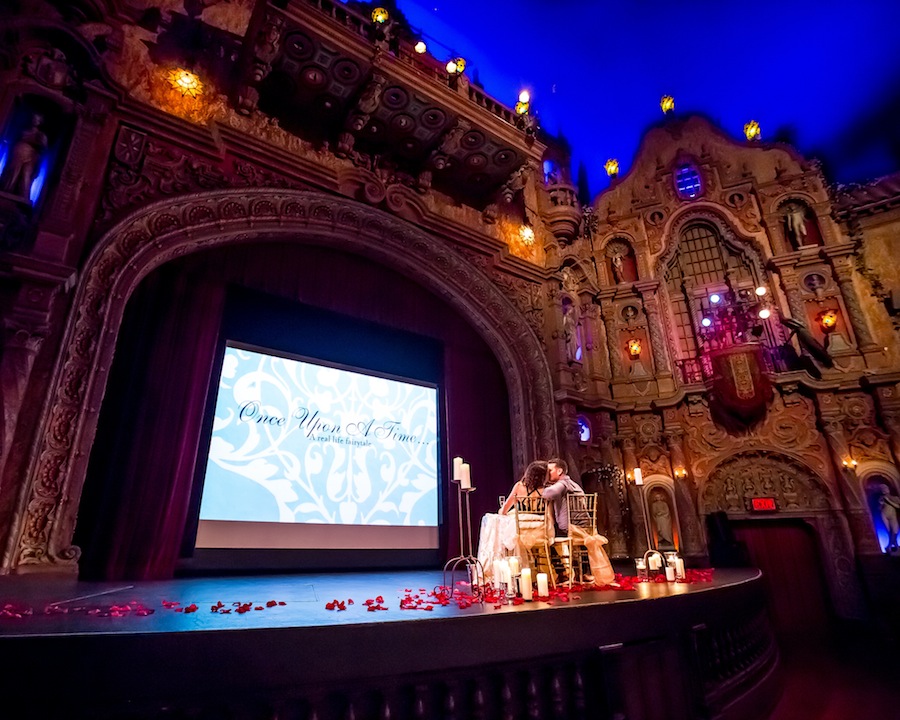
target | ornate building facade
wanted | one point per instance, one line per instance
(720, 323)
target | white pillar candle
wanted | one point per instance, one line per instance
(679, 568)
(525, 584)
(670, 573)
(514, 565)
(465, 478)
(507, 572)
(496, 572)
(543, 588)
(655, 562)
(457, 468)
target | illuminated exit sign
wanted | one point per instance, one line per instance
(763, 504)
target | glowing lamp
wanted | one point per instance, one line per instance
(752, 131)
(714, 298)
(527, 234)
(420, 47)
(380, 15)
(612, 167)
(667, 104)
(680, 472)
(761, 291)
(525, 96)
(634, 347)
(521, 108)
(186, 82)
(828, 320)
(850, 463)
(764, 313)
(638, 476)
(459, 66)
(706, 322)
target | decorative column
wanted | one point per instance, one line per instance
(889, 404)
(618, 544)
(654, 326)
(685, 495)
(635, 496)
(612, 336)
(843, 272)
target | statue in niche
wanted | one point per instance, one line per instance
(617, 251)
(795, 222)
(889, 505)
(24, 159)
(661, 515)
(570, 334)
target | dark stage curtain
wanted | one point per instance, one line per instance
(138, 491)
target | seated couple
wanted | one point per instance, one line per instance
(551, 481)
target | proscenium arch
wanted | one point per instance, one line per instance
(49, 499)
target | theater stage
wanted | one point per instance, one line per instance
(659, 651)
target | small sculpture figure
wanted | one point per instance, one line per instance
(25, 159)
(662, 519)
(618, 268)
(570, 334)
(795, 220)
(889, 504)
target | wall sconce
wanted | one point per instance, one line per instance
(680, 473)
(761, 291)
(380, 15)
(638, 476)
(764, 313)
(186, 82)
(827, 320)
(634, 348)
(420, 47)
(752, 130)
(526, 232)
(850, 463)
(667, 104)
(612, 167)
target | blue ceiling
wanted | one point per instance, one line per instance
(824, 76)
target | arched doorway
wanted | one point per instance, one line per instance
(803, 501)
(44, 527)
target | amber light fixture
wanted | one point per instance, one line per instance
(185, 82)
(850, 463)
(827, 320)
(421, 47)
(456, 66)
(527, 234)
(667, 104)
(752, 130)
(380, 15)
(680, 473)
(612, 167)
(523, 103)
(634, 347)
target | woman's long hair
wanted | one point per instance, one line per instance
(535, 476)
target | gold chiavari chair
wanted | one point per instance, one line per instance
(534, 528)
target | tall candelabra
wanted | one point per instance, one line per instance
(474, 571)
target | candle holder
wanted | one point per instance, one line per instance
(466, 560)
(662, 561)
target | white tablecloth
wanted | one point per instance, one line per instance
(496, 539)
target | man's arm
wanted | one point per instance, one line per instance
(552, 492)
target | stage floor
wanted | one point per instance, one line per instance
(50, 606)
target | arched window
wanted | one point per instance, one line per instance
(688, 183)
(584, 429)
(705, 264)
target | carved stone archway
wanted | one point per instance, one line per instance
(48, 504)
(800, 494)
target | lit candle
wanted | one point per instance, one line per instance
(465, 478)
(655, 562)
(525, 584)
(457, 468)
(679, 568)
(514, 565)
(543, 588)
(670, 573)
(506, 572)
(497, 572)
